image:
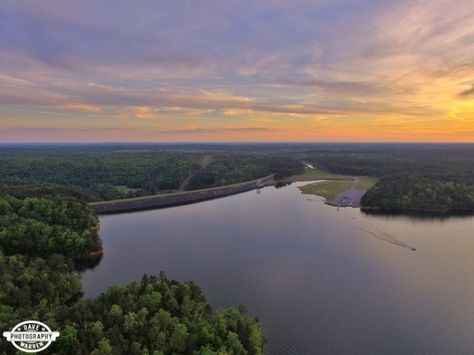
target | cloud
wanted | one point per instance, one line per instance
(217, 130)
(334, 86)
(243, 63)
(468, 92)
(150, 104)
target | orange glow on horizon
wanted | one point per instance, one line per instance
(395, 71)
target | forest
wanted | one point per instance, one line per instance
(231, 169)
(44, 232)
(48, 234)
(411, 177)
(435, 178)
(103, 173)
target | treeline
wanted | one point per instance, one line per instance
(437, 179)
(44, 224)
(103, 173)
(43, 232)
(231, 169)
(421, 193)
(156, 316)
(107, 176)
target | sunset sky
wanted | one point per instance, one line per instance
(156, 71)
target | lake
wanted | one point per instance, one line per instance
(321, 281)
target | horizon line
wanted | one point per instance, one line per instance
(229, 143)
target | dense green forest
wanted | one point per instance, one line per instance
(44, 231)
(126, 171)
(435, 177)
(48, 234)
(47, 225)
(108, 175)
(231, 169)
(438, 179)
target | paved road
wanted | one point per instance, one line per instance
(350, 197)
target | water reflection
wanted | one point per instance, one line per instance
(319, 282)
(419, 215)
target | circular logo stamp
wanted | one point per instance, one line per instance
(31, 336)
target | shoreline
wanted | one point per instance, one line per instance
(177, 198)
(440, 212)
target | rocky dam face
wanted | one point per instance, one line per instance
(178, 198)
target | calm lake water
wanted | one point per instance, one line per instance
(321, 281)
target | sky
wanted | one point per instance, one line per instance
(196, 71)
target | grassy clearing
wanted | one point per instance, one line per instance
(327, 189)
(366, 182)
(316, 174)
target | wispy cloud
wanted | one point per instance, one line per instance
(468, 92)
(303, 67)
(218, 130)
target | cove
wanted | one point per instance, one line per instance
(321, 281)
